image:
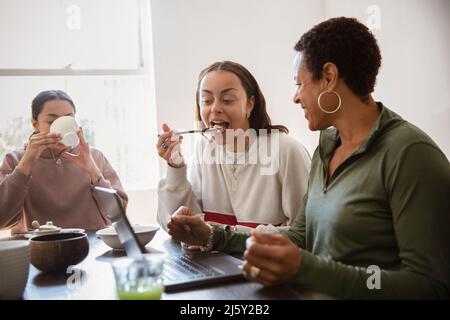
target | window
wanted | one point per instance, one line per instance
(99, 52)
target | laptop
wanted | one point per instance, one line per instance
(183, 269)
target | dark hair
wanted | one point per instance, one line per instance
(259, 119)
(348, 44)
(44, 96)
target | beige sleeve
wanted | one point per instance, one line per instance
(175, 190)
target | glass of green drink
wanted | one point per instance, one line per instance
(139, 278)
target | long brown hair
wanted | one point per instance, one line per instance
(259, 119)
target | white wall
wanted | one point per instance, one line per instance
(260, 34)
(414, 79)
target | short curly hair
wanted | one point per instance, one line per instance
(348, 44)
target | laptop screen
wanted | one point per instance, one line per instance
(182, 270)
(110, 202)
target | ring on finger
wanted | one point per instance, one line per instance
(254, 272)
(164, 145)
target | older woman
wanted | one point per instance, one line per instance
(47, 181)
(376, 219)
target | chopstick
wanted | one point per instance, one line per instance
(194, 131)
(197, 131)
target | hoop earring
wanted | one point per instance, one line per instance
(335, 110)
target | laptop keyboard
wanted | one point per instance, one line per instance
(182, 267)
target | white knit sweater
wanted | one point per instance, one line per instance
(246, 194)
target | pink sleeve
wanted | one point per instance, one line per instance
(13, 190)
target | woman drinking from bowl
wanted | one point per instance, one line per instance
(233, 190)
(46, 180)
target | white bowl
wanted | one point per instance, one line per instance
(144, 233)
(67, 126)
(14, 268)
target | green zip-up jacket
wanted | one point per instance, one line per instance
(386, 208)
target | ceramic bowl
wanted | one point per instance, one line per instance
(67, 126)
(56, 252)
(144, 233)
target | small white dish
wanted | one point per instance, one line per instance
(144, 233)
(36, 233)
(41, 232)
(73, 230)
(67, 126)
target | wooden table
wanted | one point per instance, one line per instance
(96, 280)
